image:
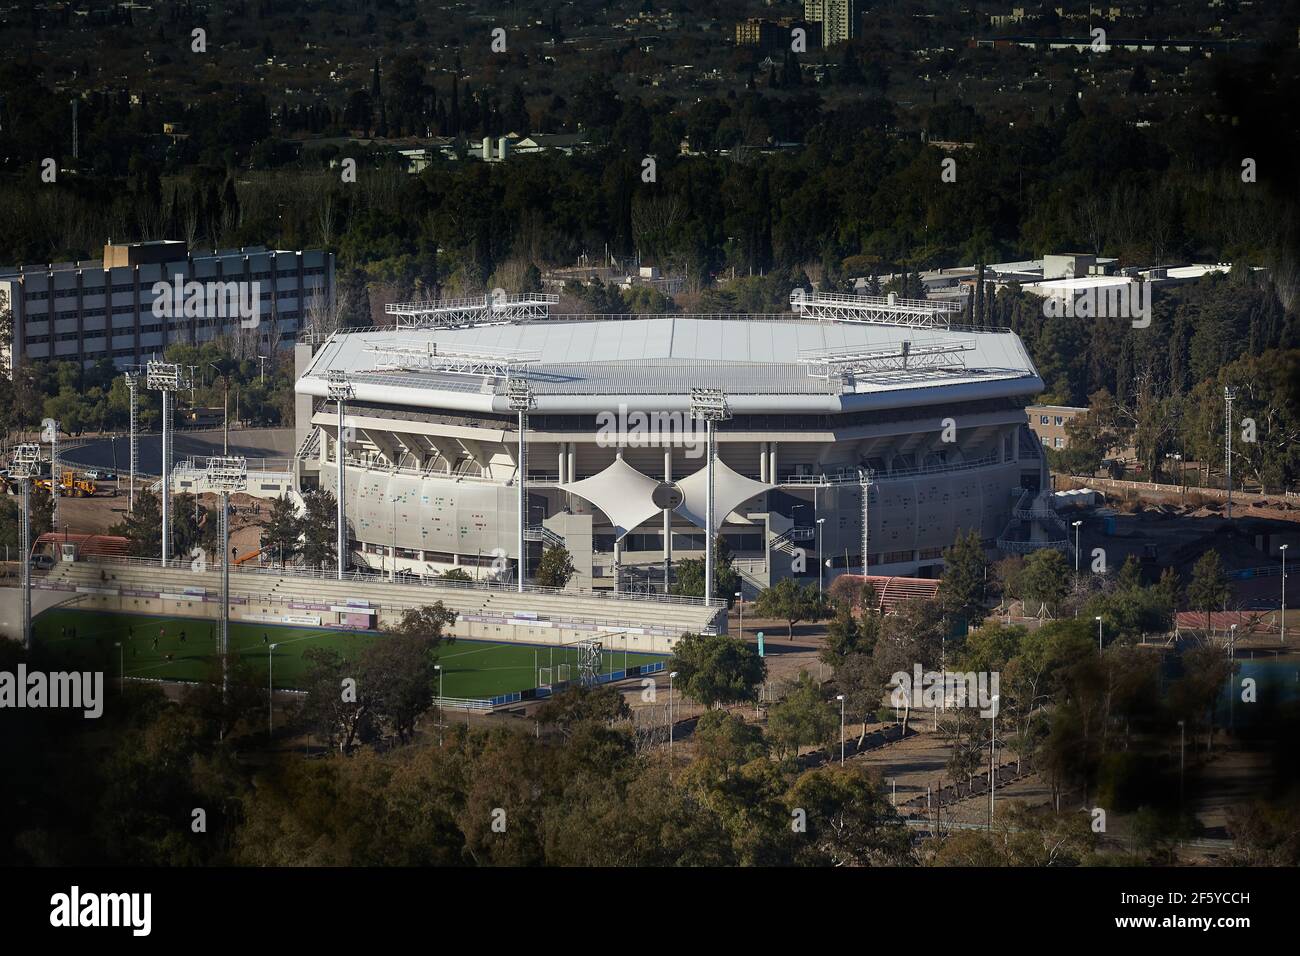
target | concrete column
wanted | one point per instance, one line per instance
(771, 465)
(762, 461)
(563, 460)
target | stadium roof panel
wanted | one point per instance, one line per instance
(582, 365)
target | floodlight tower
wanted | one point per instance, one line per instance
(865, 478)
(709, 405)
(132, 382)
(522, 400)
(339, 390)
(226, 475)
(165, 377)
(25, 466)
(1229, 395)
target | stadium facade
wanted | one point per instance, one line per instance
(839, 389)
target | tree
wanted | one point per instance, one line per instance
(964, 573)
(716, 669)
(282, 532)
(142, 528)
(727, 741)
(337, 705)
(427, 623)
(319, 528)
(791, 602)
(1046, 577)
(399, 676)
(803, 718)
(1209, 588)
(555, 569)
(456, 574)
(581, 704)
(849, 819)
(690, 573)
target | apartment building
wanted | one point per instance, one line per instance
(144, 296)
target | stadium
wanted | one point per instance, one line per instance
(810, 409)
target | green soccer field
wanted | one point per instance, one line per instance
(471, 669)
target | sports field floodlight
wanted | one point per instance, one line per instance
(709, 405)
(339, 390)
(226, 474)
(866, 478)
(25, 466)
(519, 392)
(165, 377)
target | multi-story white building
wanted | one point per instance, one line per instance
(143, 296)
(818, 398)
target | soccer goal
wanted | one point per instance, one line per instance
(562, 674)
(543, 677)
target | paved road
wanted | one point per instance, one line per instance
(113, 453)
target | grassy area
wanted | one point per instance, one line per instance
(152, 647)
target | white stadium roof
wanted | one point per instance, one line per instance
(588, 365)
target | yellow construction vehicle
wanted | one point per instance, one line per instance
(70, 486)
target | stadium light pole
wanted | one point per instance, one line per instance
(709, 405)
(1098, 620)
(132, 383)
(521, 397)
(270, 693)
(339, 391)
(26, 464)
(1077, 525)
(840, 698)
(741, 595)
(226, 475)
(1283, 548)
(165, 377)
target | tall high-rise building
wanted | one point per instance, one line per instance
(839, 19)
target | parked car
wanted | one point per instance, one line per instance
(42, 562)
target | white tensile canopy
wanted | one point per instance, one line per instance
(731, 489)
(621, 492)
